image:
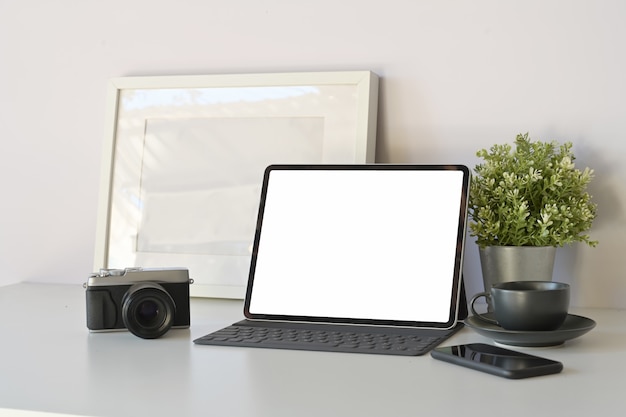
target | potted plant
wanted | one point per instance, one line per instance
(524, 203)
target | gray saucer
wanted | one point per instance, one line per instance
(573, 327)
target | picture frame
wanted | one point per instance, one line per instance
(183, 160)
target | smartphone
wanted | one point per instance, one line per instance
(497, 361)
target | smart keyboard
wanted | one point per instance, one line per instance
(329, 337)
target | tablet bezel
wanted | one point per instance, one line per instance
(455, 296)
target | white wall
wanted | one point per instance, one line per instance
(456, 76)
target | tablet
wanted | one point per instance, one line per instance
(373, 244)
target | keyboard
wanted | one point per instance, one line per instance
(329, 337)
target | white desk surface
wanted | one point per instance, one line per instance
(49, 362)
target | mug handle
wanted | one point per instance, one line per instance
(478, 315)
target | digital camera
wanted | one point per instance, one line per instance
(147, 302)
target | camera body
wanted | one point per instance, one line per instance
(146, 301)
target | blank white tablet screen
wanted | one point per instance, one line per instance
(360, 244)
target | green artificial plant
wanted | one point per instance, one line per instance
(531, 195)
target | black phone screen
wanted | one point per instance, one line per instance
(496, 360)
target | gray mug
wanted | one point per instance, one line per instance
(526, 305)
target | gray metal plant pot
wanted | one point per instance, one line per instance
(516, 263)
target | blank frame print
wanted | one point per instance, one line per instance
(184, 158)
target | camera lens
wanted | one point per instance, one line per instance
(148, 313)
(148, 310)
